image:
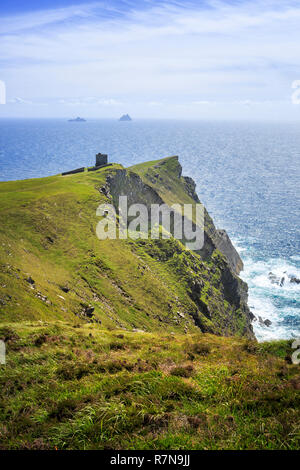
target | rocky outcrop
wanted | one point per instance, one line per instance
(128, 183)
(190, 187)
(281, 279)
(263, 322)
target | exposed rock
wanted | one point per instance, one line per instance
(226, 247)
(42, 297)
(88, 310)
(126, 183)
(180, 314)
(263, 322)
(65, 289)
(191, 188)
(105, 190)
(278, 280)
(30, 280)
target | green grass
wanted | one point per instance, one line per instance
(48, 233)
(70, 387)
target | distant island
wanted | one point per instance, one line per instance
(125, 117)
(78, 119)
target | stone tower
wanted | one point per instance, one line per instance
(101, 159)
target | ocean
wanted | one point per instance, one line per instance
(247, 176)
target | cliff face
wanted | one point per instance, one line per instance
(210, 275)
(144, 191)
(224, 245)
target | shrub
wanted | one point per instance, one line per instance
(116, 346)
(8, 334)
(250, 346)
(198, 349)
(182, 371)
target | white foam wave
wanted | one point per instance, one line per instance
(279, 304)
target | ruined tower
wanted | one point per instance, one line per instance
(101, 159)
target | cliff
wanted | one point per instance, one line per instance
(219, 296)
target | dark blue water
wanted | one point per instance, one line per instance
(247, 175)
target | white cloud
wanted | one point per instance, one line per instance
(204, 102)
(19, 100)
(90, 101)
(164, 54)
(38, 19)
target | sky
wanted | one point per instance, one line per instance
(205, 59)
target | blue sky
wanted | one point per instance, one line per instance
(21, 6)
(208, 59)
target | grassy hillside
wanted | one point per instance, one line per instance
(47, 235)
(54, 267)
(82, 387)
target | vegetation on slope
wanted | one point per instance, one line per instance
(67, 386)
(54, 267)
(105, 342)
